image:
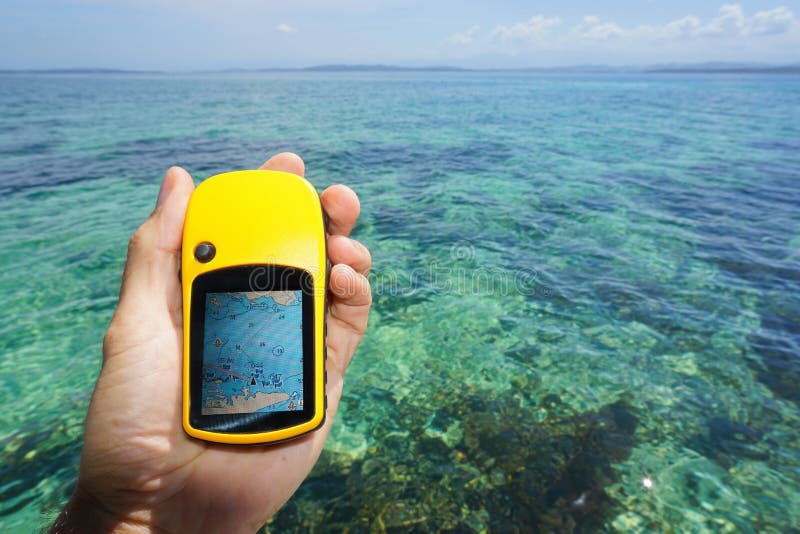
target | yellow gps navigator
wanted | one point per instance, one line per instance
(254, 276)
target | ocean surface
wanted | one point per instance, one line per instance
(587, 287)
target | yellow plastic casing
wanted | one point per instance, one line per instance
(257, 218)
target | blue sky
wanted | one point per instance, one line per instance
(208, 34)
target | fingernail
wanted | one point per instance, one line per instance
(354, 245)
(166, 188)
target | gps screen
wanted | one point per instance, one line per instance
(252, 352)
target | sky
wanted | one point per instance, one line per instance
(186, 35)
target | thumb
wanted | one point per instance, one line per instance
(151, 279)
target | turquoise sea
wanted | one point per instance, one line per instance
(587, 287)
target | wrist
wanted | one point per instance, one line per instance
(86, 515)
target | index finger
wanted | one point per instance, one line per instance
(342, 207)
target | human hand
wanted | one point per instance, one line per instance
(139, 470)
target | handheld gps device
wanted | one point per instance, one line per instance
(254, 276)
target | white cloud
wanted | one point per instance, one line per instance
(285, 28)
(593, 28)
(534, 29)
(464, 38)
(774, 21)
(732, 34)
(729, 21)
(684, 27)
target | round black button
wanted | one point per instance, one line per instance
(205, 252)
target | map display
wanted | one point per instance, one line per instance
(252, 352)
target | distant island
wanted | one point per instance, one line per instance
(79, 71)
(382, 68)
(723, 68)
(674, 68)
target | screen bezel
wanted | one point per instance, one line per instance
(250, 278)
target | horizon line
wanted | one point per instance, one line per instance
(673, 67)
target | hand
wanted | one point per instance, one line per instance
(139, 471)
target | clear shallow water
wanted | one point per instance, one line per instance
(587, 288)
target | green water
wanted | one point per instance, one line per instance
(587, 288)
